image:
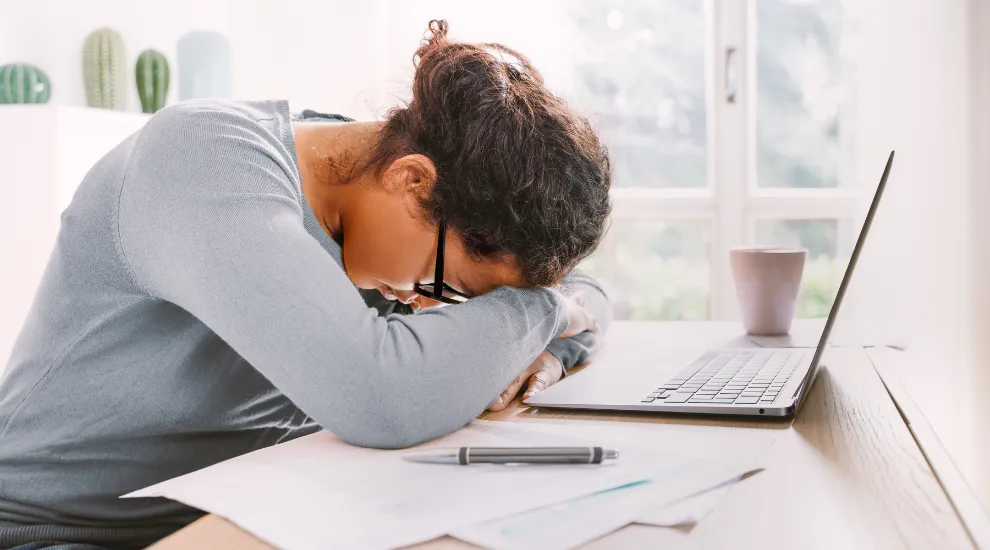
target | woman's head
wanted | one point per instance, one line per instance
(521, 181)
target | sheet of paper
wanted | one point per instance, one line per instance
(715, 456)
(689, 511)
(318, 492)
(573, 523)
(744, 446)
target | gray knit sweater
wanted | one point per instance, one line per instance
(193, 310)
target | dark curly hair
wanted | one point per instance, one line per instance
(518, 172)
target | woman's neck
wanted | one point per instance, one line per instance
(330, 156)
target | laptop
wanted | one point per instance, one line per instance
(749, 382)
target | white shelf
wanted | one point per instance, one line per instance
(45, 151)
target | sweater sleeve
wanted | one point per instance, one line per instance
(579, 348)
(569, 351)
(383, 305)
(210, 219)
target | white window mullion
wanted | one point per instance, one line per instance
(662, 204)
(803, 204)
(729, 145)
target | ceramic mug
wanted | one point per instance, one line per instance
(767, 282)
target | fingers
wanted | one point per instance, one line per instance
(537, 383)
(590, 321)
(579, 319)
(508, 395)
(422, 302)
(550, 370)
(543, 372)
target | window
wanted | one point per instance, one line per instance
(729, 124)
(639, 71)
(647, 251)
(804, 104)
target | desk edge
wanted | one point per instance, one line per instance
(971, 513)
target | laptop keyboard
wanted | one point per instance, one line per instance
(744, 377)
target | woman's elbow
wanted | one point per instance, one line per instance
(388, 430)
(380, 439)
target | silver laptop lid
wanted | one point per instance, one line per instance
(834, 312)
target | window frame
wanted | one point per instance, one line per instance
(731, 201)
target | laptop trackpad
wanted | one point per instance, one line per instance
(616, 380)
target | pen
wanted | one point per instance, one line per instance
(514, 455)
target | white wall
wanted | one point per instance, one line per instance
(327, 56)
(46, 152)
(348, 57)
(324, 55)
(50, 34)
(917, 272)
(980, 230)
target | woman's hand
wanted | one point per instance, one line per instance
(579, 319)
(541, 374)
(422, 302)
(546, 369)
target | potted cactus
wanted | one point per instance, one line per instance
(152, 75)
(103, 70)
(23, 83)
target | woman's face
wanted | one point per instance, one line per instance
(389, 246)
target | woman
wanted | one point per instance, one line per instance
(200, 302)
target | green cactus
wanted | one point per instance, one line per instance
(21, 83)
(152, 75)
(103, 70)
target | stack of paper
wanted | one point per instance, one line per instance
(319, 492)
(672, 498)
(689, 511)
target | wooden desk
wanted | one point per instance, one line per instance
(846, 473)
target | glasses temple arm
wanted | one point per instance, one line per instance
(438, 274)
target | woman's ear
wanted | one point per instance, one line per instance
(412, 173)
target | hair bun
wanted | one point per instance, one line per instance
(434, 39)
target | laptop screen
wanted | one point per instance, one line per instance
(834, 312)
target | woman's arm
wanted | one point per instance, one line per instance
(210, 220)
(568, 351)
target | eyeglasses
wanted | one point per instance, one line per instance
(439, 290)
